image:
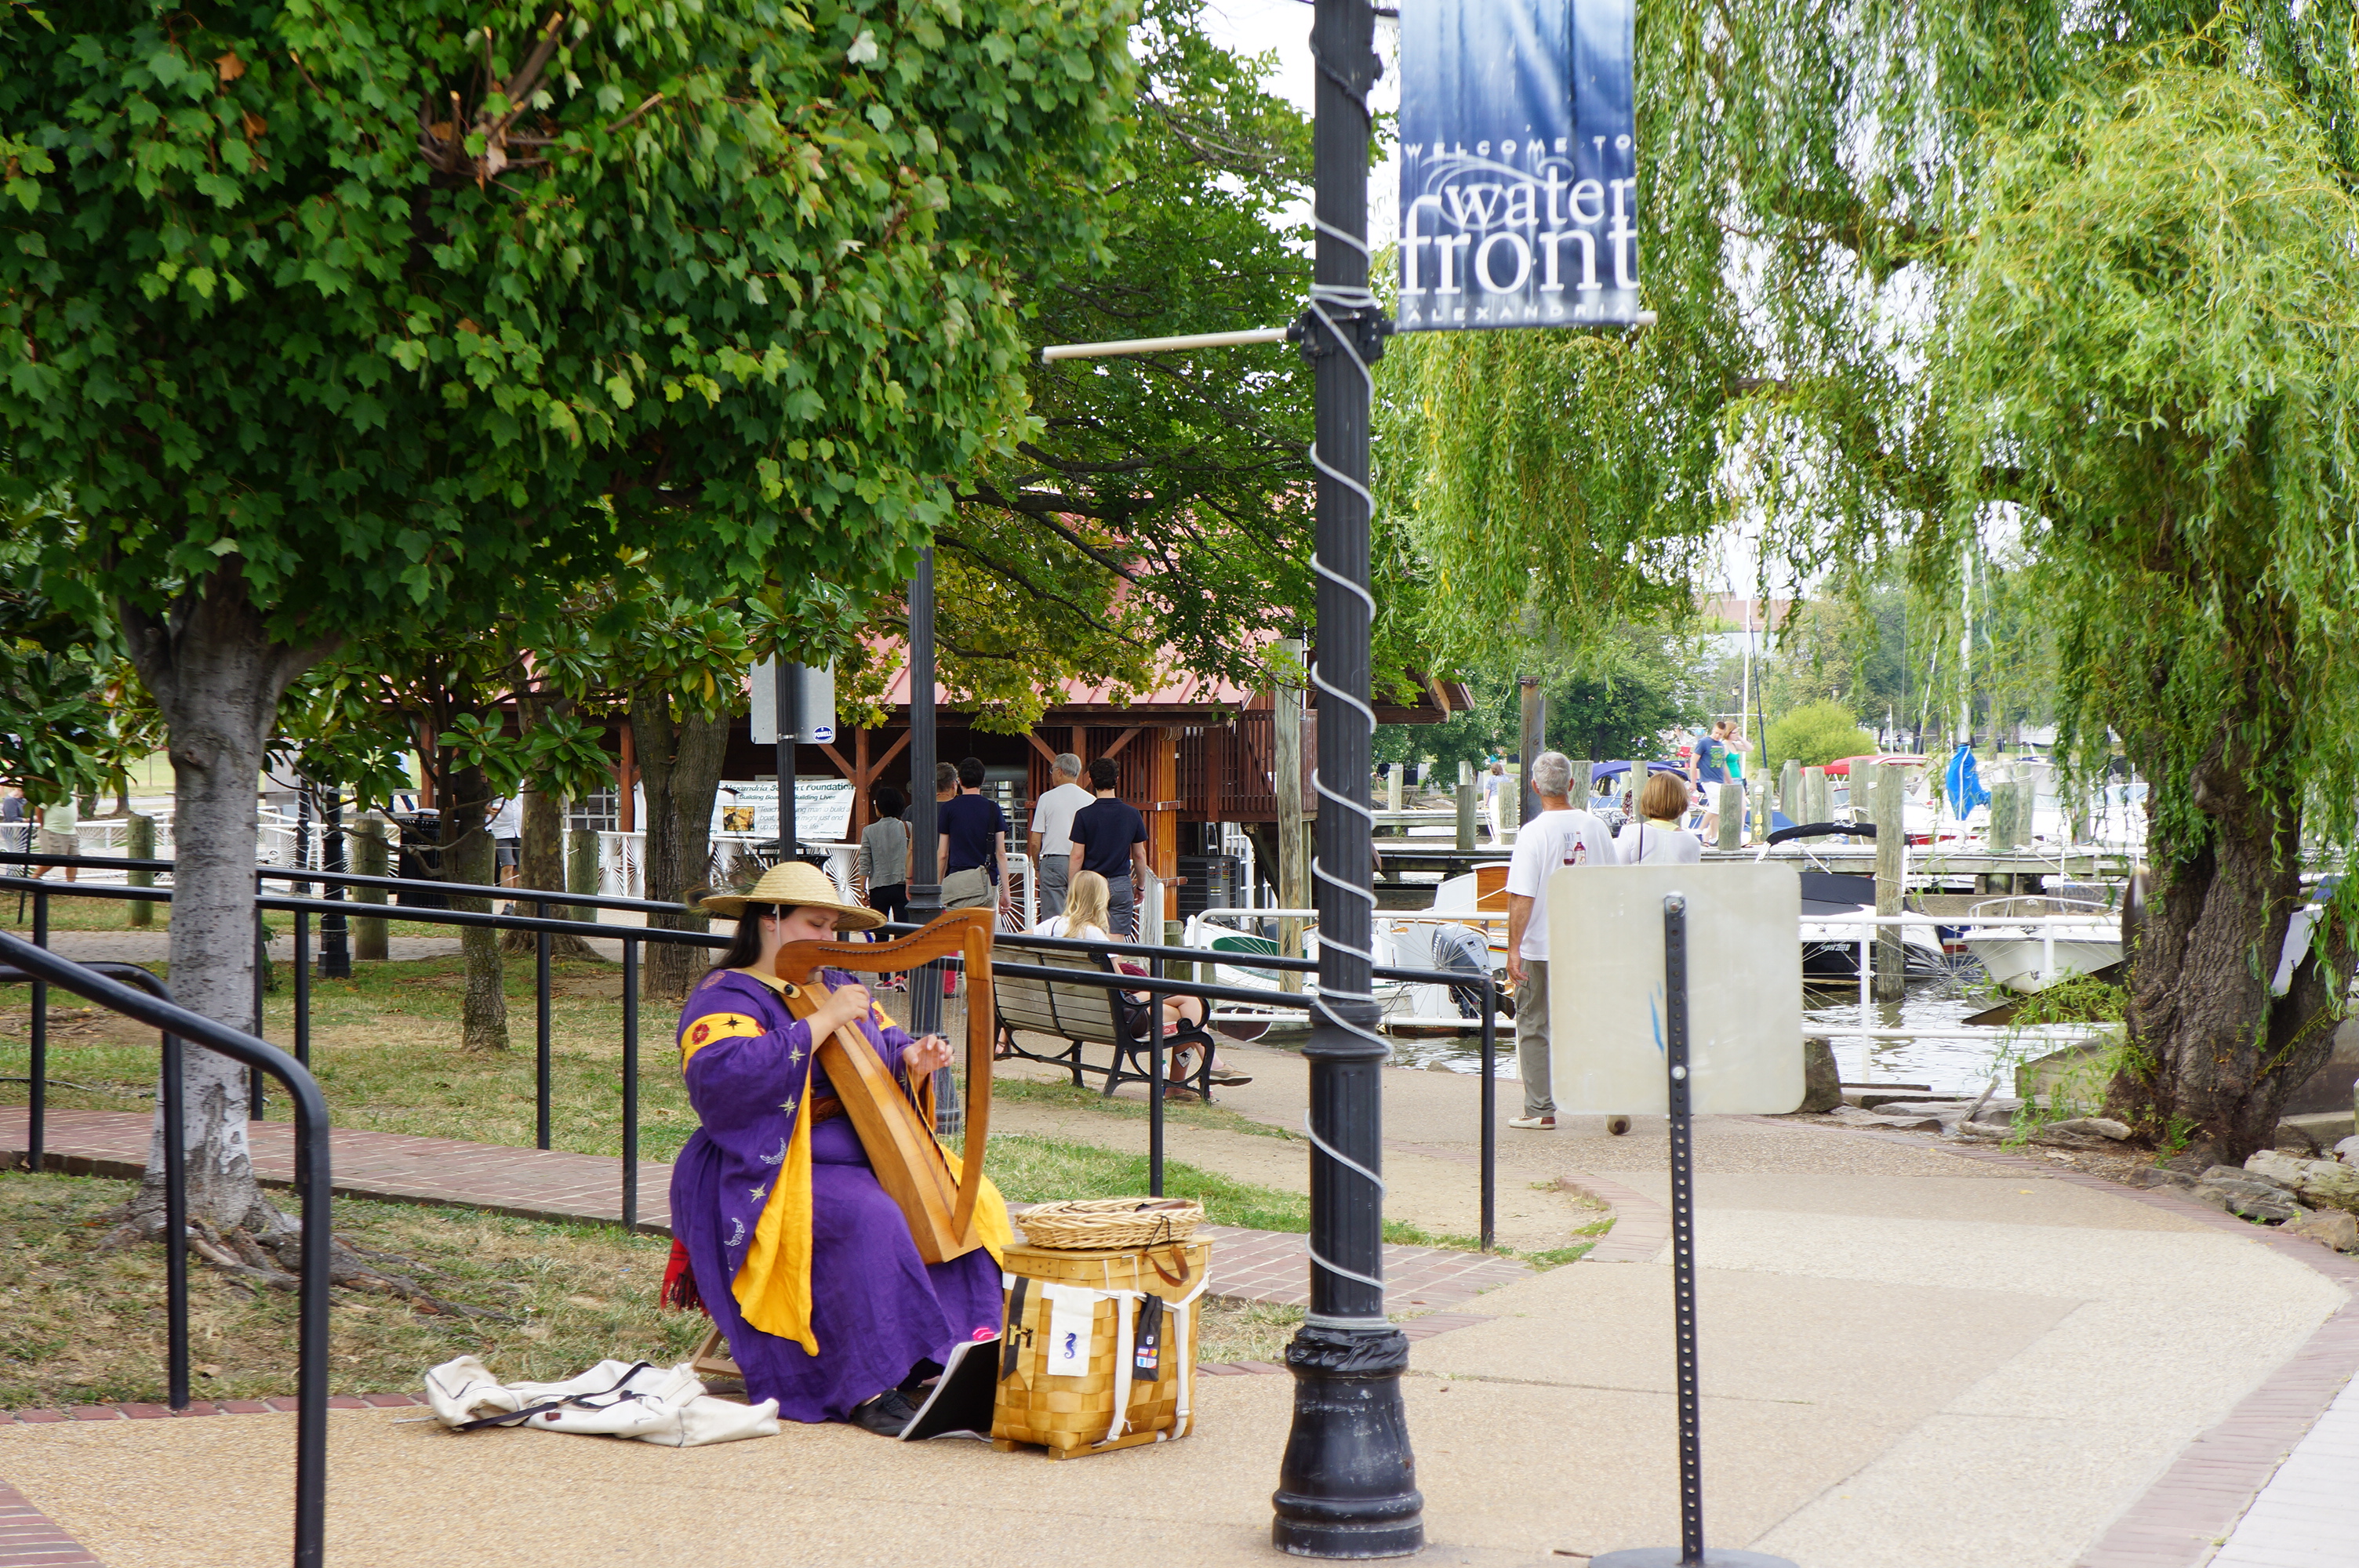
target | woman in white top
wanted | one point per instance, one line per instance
(1656, 839)
(1084, 920)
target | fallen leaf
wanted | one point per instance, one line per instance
(254, 125)
(229, 67)
(208, 1369)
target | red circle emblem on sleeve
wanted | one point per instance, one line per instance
(699, 1035)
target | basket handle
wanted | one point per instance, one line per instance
(1177, 1255)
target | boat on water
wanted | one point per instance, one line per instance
(2060, 937)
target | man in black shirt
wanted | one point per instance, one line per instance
(973, 844)
(1110, 838)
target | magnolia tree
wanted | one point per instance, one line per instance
(336, 318)
(1928, 276)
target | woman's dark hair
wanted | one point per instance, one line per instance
(885, 800)
(971, 773)
(745, 950)
(1104, 772)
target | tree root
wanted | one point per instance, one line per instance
(271, 1262)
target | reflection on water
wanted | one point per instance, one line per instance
(1940, 1003)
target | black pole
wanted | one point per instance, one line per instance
(1347, 1486)
(335, 949)
(540, 1030)
(1490, 1111)
(925, 873)
(176, 1227)
(1690, 1551)
(783, 707)
(36, 1071)
(1683, 1277)
(630, 1084)
(303, 985)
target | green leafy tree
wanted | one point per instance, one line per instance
(339, 319)
(1817, 733)
(1916, 263)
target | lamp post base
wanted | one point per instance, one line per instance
(1347, 1487)
(1674, 1557)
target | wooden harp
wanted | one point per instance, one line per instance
(901, 1148)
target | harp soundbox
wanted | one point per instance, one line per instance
(909, 1162)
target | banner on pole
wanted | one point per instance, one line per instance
(1520, 164)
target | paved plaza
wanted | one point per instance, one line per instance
(1911, 1354)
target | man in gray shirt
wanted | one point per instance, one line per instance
(1052, 830)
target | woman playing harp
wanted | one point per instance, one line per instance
(784, 1234)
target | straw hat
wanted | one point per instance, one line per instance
(797, 885)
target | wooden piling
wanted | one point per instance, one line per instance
(372, 840)
(1891, 845)
(1789, 789)
(139, 843)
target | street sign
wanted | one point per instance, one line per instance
(811, 690)
(1520, 164)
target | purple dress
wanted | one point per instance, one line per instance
(877, 1309)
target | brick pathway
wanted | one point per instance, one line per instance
(1247, 1265)
(29, 1539)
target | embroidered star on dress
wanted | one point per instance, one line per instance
(795, 1056)
(758, 1194)
(788, 1105)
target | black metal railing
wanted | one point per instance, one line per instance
(1158, 982)
(149, 1000)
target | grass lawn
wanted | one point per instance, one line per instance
(85, 1325)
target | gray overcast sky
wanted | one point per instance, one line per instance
(1283, 26)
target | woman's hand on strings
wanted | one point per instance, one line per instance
(927, 1056)
(846, 1004)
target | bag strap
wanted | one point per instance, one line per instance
(506, 1417)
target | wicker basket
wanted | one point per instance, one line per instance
(1110, 1224)
(1070, 1415)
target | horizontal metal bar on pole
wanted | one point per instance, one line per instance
(356, 879)
(1161, 345)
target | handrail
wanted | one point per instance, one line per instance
(354, 879)
(177, 1024)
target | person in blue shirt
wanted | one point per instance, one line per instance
(973, 844)
(1110, 838)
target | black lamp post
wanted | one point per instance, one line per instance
(925, 875)
(1347, 1486)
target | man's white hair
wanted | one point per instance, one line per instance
(1552, 774)
(1066, 765)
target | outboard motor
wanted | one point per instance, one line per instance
(1465, 948)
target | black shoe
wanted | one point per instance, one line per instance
(888, 1415)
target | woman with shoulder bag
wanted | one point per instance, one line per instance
(885, 863)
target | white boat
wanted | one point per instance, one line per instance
(2058, 938)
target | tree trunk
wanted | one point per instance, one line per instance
(679, 770)
(540, 856)
(468, 856)
(2214, 1056)
(216, 677)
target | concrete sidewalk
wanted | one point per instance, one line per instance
(1910, 1357)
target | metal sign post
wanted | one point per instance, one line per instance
(1690, 1551)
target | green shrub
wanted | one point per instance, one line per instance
(1818, 733)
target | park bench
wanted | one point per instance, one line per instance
(1081, 1013)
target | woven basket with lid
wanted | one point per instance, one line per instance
(1071, 1416)
(1108, 1224)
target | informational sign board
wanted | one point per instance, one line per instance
(823, 808)
(1606, 993)
(1520, 172)
(810, 692)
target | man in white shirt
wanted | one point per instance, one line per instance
(1052, 825)
(1559, 836)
